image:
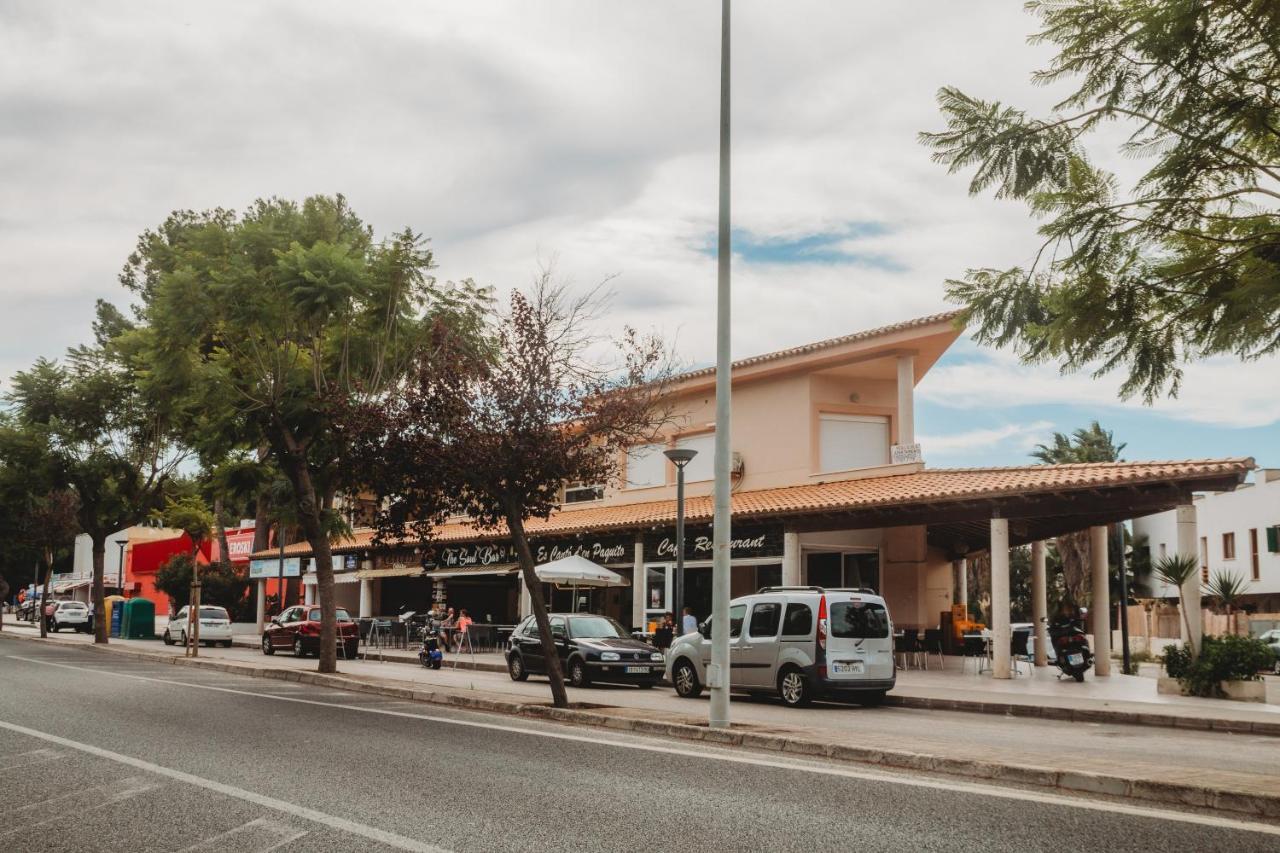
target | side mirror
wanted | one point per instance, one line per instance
(705, 629)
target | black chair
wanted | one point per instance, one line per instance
(975, 648)
(1018, 649)
(932, 645)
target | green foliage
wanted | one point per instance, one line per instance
(220, 584)
(1183, 264)
(1092, 444)
(1227, 588)
(1226, 658)
(190, 515)
(1175, 569)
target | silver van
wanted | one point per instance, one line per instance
(800, 642)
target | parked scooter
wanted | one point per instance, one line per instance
(429, 653)
(1070, 645)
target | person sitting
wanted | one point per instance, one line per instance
(665, 633)
(464, 625)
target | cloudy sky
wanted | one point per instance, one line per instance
(584, 132)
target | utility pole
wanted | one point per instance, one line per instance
(1124, 602)
(718, 672)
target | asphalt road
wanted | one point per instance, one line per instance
(106, 753)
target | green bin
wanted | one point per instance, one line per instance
(139, 619)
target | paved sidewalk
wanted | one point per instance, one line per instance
(1198, 768)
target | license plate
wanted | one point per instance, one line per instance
(638, 670)
(1075, 659)
(847, 667)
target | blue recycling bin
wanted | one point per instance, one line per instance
(117, 615)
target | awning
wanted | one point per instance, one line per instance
(67, 586)
(390, 572)
(578, 571)
(310, 579)
(472, 571)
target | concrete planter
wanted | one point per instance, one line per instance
(1237, 691)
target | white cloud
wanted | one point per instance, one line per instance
(987, 442)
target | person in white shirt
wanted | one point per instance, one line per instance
(688, 622)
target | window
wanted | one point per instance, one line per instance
(1255, 568)
(577, 492)
(798, 621)
(596, 627)
(557, 628)
(1228, 546)
(315, 615)
(1204, 559)
(702, 466)
(859, 620)
(736, 614)
(853, 570)
(852, 441)
(1164, 551)
(646, 466)
(765, 617)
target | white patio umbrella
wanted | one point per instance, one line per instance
(575, 571)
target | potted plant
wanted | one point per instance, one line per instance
(1227, 667)
(1227, 588)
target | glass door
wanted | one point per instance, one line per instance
(657, 593)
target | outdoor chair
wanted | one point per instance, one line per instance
(932, 645)
(1018, 650)
(975, 649)
(908, 646)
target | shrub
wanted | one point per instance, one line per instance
(1226, 658)
(220, 584)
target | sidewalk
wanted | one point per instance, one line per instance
(1211, 769)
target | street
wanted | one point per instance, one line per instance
(106, 753)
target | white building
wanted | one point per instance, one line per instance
(1239, 532)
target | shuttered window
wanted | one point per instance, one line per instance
(852, 441)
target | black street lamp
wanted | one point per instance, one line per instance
(120, 570)
(680, 457)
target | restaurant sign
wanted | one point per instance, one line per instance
(746, 541)
(270, 568)
(604, 550)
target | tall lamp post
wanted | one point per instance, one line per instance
(680, 457)
(120, 569)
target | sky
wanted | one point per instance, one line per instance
(579, 133)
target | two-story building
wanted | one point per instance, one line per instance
(829, 488)
(1239, 534)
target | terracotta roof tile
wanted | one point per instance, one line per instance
(923, 487)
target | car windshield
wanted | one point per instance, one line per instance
(342, 615)
(859, 620)
(73, 605)
(214, 613)
(593, 627)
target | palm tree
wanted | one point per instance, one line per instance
(1175, 570)
(1228, 588)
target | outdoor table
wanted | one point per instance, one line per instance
(986, 637)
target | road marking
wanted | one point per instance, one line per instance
(35, 756)
(118, 792)
(81, 795)
(277, 834)
(714, 754)
(382, 836)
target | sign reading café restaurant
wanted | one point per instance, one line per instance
(746, 541)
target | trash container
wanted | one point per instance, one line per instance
(111, 603)
(139, 619)
(117, 616)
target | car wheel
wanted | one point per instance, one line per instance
(515, 668)
(167, 637)
(298, 651)
(53, 625)
(1079, 676)
(266, 645)
(685, 679)
(226, 644)
(578, 676)
(793, 687)
(871, 699)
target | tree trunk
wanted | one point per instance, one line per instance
(515, 524)
(1073, 551)
(292, 458)
(224, 549)
(193, 608)
(4, 596)
(101, 630)
(44, 592)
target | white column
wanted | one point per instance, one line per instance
(963, 565)
(1101, 611)
(1000, 638)
(526, 602)
(639, 587)
(790, 558)
(1039, 603)
(366, 598)
(1189, 545)
(906, 399)
(308, 592)
(262, 603)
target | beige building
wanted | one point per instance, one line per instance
(829, 489)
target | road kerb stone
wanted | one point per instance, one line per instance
(1094, 783)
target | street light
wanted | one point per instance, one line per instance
(120, 569)
(680, 457)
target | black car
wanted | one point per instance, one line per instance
(592, 648)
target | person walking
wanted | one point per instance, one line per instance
(689, 623)
(666, 631)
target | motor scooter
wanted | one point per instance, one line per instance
(429, 653)
(1070, 646)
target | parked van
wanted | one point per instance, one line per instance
(800, 642)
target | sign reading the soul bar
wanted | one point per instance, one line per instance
(747, 540)
(603, 550)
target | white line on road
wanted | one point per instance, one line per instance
(35, 756)
(710, 753)
(382, 836)
(125, 789)
(277, 835)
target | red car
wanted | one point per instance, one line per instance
(298, 628)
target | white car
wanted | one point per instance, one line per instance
(798, 642)
(1272, 639)
(215, 626)
(69, 614)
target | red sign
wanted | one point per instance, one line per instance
(240, 544)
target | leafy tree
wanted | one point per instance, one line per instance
(1228, 588)
(1090, 444)
(190, 515)
(1185, 263)
(111, 445)
(496, 438)
(220, 584)
(1175, 570)
(27, 472)
(52, 524)
(264, 323)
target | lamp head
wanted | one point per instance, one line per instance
(680, 456)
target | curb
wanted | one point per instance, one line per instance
(1265, 804)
